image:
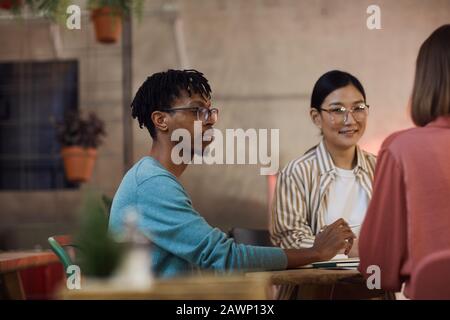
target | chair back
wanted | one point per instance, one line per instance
(63, 247)
(255, 237)
(431, 278)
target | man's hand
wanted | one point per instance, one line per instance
(333, 238)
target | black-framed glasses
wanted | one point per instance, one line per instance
(203, 114)
(339, 113)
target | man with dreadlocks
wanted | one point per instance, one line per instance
(182, 240)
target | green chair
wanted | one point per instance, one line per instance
(107, 201)
(58, 244)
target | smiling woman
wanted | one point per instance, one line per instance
(343, 98)
(333, 179)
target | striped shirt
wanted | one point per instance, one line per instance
(300, 203)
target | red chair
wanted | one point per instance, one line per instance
(431, 278)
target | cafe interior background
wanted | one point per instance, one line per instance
(261, 57)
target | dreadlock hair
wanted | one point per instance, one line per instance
(160, 90)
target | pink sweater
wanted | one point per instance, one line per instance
(409, 214)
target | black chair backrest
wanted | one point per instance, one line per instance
(255, 237)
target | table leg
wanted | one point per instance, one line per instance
(13, 286)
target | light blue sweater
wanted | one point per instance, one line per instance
(182, 239)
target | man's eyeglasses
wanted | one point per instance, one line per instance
(203, 114)
(339, 113)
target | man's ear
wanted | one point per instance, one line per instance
(160, 120)
(316, 118)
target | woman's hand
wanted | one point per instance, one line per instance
(354, 252)
(333, 238)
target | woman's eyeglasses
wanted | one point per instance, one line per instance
(339, 113)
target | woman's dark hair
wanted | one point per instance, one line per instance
(330, 81)
(161, 89)
(431, 91)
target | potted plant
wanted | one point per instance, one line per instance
(79, 138)
(13, 5)
(55, 10)
(107, 16)
(52, 9)
(115, 260)
(99, 253)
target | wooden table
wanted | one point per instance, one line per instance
(11, 263)
(209, 287)
(321, 283)
(307, 276)
(253, 285)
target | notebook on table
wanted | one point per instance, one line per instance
(340, 261)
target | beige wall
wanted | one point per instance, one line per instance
(28, 218)
(262, 58)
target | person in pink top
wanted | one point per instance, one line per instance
(409, 214)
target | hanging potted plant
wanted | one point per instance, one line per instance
(79, 140)
(55, 10)
(13, 5)
(107, 16)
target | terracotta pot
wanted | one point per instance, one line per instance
(108, 24)
(78, 163)
(8, 4)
